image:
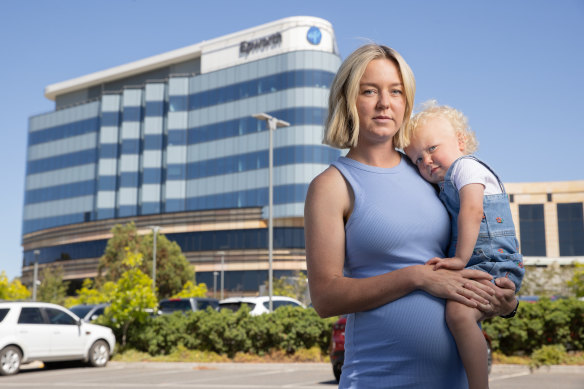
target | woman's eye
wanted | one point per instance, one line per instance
(368, 91)
(396, 92)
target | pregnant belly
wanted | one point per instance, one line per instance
(405, 338)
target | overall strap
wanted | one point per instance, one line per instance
(485, 165)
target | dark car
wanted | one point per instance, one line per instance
(337, 353)
(190, 304)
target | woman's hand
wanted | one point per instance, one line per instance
(468, 287)
(501, 302)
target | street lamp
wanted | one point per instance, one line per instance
(154, 234)
(35, 276)
(222, 253)
(273, 123)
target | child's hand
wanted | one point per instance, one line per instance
(453, 263)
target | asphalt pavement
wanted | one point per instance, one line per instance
(146, 375)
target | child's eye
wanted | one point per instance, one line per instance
(432, 148)
(418, 161)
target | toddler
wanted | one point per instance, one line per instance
(483, 234)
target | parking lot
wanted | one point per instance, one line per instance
(120, 375)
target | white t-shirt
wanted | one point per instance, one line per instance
(469, 171)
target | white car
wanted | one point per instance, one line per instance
(258, 305)
(35, 331)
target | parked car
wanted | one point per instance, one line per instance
(89, 312)
(190, 304)
(337, 350)
(258, 305)
(35, 331)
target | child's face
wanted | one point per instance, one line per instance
(434, 148)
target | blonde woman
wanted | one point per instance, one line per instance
(371, 223)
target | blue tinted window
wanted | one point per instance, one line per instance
(109, 150)
(132, 114)
(154, 108)
(127, 210)
(571, 229)
(62, 161)
(177, 137)
(129, 179)
(152, 176)
(131, 146)
(177, 103)
(64, 131)
(107, 182)
(532, 230)
(111, 119)
(153, 142)
(60, 192)
(150, 208)
(267, 84)
(248, 125)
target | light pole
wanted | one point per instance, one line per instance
(222, 253)
(154, 236)
(35, 276)
(273, 123)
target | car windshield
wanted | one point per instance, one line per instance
(175, 305)
(81, 310)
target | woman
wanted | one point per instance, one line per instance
(371, 223)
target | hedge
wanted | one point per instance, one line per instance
(545, 322)
(290, 329)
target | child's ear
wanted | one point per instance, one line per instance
(461, 142)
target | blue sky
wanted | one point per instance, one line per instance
(514, 67)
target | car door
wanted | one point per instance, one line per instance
(67, 337)
(33, 333)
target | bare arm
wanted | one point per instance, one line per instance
(469, 224)
(328, 204)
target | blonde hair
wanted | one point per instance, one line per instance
(342, 122)
(459, 122)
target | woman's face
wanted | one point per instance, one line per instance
(381, 102)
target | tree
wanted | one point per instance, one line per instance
(52, 288)
(172, 268)
(133, 296)
(191, 290)
(92, 293)
(295, 286)
(12, 290)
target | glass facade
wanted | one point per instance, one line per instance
(182, 144)
(532, 230)
(571, 229)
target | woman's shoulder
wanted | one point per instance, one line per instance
(330, 179)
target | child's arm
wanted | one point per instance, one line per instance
(469, 224)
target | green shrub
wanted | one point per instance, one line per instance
(227, 333)
(537, 324)
(548, 355)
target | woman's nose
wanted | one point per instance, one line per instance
(383, 100)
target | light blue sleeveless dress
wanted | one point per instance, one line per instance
(397, 221)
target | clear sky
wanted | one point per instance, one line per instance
(514, 67)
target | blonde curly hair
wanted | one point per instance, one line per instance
(430, 109)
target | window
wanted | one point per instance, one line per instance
(56, 316)
(532, 230)
(571, 229)
(31, 316)
(3, 313)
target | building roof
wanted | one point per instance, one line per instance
(177, 56)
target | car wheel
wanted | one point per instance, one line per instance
(10, 358)
(99, 354)
(337, 368)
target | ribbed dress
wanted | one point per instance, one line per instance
(397, 221)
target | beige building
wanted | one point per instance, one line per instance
(549, 221)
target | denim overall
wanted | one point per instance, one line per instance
(496, 250)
